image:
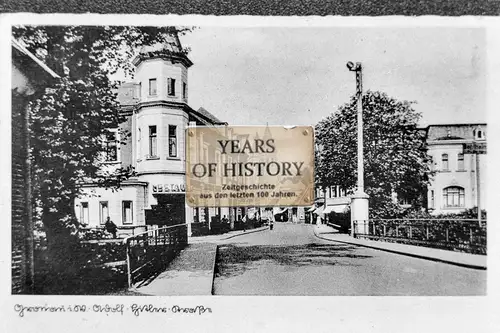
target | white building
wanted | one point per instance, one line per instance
(157, 114)
(454, 187)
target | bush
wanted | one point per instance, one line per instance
(81, 271)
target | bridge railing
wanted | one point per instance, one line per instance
(149, 252)
(462, 235)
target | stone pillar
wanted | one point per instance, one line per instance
(359, 213)
(189, 218)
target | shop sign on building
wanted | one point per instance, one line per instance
(250, 166)
(169, 188)
(475, 148)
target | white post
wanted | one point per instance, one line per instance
(478, 189)
(359, 202)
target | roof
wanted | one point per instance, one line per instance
(203, 112)
(338, 201)
(171, 49)
(127, 93)
(443, 132)
(40, 64)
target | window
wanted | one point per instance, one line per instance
(444, 160)
(184, 90)
(172, 141)
(152, 141)
(460, 162)
(103, 211)
(478, 133)
(454, 196)
(171, 87)
(431, 161)
(84, 212)
(127, 212)
(432, 199)
(196, 215)
(111, 146)
(139, 134)
(152, 87)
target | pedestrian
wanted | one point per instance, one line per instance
(271, 223)
(225, 220)
(110, 227)
(244, 223)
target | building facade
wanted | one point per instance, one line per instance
(30, 77)
(157, 115)
(454, 185)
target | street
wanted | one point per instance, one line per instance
(291, 260)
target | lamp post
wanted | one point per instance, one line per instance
(359, 206)
(357, 68)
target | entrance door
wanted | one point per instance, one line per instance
(171, 210)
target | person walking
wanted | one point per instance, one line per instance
(110, 227)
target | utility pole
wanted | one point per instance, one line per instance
(357, 68)
(478, 189)
(359, 202)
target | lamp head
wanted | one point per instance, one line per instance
(350, 65)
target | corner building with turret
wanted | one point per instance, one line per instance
(157, 113)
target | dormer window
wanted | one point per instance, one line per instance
(171, 87)
(478, 134)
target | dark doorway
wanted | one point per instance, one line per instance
(171, 210)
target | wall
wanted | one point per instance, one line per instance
(94, 195)
(453, 177)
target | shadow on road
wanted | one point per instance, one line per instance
(234, 260)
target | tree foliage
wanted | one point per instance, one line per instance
(70, 122)
(395, 158)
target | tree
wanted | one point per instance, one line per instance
(71, 122)
(395, 158)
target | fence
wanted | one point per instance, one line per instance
(450, 234)
(122, 231)
(149, 252)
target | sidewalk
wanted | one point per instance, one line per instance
(190, 274)
(225, 236)
(455, 258)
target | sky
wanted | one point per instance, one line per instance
(298, 76)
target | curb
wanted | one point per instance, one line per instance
(246, 233)
(213, 268)
(479, 267)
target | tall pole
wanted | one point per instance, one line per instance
(359, 201)
(478, 189)
(359, 91)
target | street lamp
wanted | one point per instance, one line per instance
(359, 93)
(359, 202)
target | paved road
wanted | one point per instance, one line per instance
(290, 260)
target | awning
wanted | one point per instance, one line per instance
(277, 210)
(310, 209)
(335, 209)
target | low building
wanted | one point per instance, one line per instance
(455, 186)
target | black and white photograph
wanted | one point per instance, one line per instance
(100, 125)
